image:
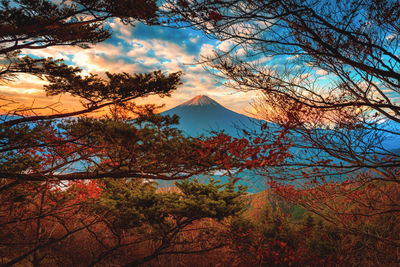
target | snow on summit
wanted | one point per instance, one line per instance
(200, 100)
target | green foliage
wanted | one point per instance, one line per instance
(209, 199)
(133, 203)
(131, 146)
(21, 138)
(64, 22)
(166, 218)
(112, 221)
(117, 88)
(38, 145)
(147, 147)
(37, 24)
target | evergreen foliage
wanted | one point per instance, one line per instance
(113, 221)
(37, 24)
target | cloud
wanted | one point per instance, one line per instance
(321, 72)
(225, 46)
(138, 49)
(241, 52)
(195, 39)
(207, 50)
(305, 75)
(293, 57)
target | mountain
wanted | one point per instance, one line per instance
(201, 114)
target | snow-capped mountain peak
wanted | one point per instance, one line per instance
(201, 114)
(200, 100)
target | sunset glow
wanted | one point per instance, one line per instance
(133, 50)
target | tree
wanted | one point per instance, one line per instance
(39, 24)
(329, 74)
(41, 153)
(355, 42)
(271, 236)
(65, 177)
(113, 221)
(42, 23)
(175, 218)
(42, 147)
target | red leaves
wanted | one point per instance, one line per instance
(246, 153)
(85, 190)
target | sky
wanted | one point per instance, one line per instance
(136, 49)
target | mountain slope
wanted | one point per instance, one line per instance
(201, 114)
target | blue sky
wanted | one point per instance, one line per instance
(145, 48)
(138, 49)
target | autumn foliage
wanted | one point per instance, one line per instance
(78, 191)
(309, 221)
